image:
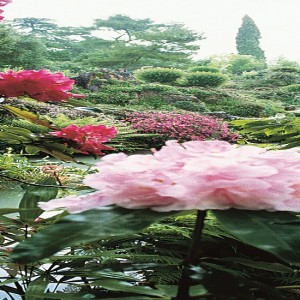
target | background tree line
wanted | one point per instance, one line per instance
(116, 42)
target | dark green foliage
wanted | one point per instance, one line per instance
(286, 69)
(204, 69)
(247, 39)
(189, 106)
(152, 102)
(205, 79)
(247, 107)
(161, 75)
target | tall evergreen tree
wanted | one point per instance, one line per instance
(247, 39)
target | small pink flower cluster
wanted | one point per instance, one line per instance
(182, 127)
(2, 3)
(41, 85)
(193, 175)
(88, 138)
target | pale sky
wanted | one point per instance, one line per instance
(219, 20)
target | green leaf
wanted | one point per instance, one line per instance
(36, 288)
(171, 290)
(84, 227)
(30, 149)
(29, 116)
(274, 232)
(35, 194)
(124, 286)
(261, 265)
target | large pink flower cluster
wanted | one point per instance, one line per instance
(194, 175)
(88, 138)
(182, 127)
(2, 3)
(41, 85)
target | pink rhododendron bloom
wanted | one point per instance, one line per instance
(88, 138)
(194, 175)
(41, 85)
(2, 3)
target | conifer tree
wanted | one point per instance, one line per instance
(247, 39)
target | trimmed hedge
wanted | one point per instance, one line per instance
(161, 75)
(205, 79)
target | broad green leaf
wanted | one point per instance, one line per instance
(84, 227)
(29, 116)
(30, 149)
(35, 194)
(274, 232)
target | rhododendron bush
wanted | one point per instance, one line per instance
(182, 127)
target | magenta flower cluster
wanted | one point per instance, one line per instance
(182, 127)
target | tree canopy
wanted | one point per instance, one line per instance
(247, 39)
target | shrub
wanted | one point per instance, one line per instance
(110, 95)
(293, 88)
(183, 127)
(189, 106)
(161, 75)
(286, 69)
(204, 69)
(153, 102)
(248, 107)
(205, 79)
(283, 78)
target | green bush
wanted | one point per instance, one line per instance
(204, 69)
(247, 107)
(159, 88)
(152, 102)
(205, 79)
(286, 69)
(189, 106)
(293, 88)
(161, 75)
(283, 78)
(111, 95)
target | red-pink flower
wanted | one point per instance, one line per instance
(194, 175)
(41, 85)
(89, 138)
(2, 3)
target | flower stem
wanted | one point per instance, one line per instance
(192, 258)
